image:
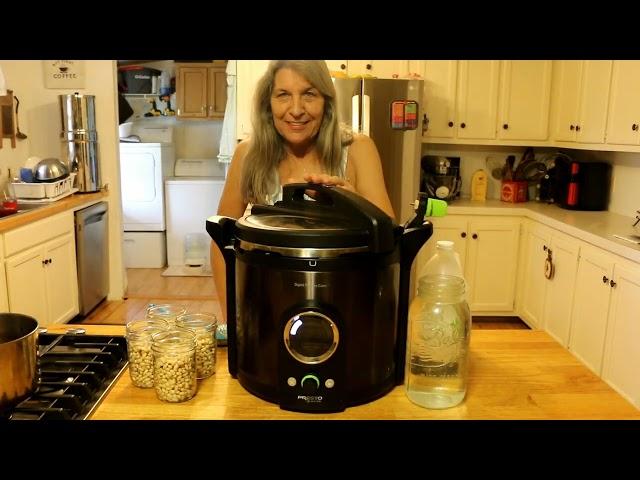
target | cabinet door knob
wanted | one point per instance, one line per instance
(505, 126)
(343, 66)
(463, 234)
(612, 283)
(544, 247)
(634, 127)
(368, 66)
(450, 124)
(474, 236)
(571, 127)
(462, 125)
(577, 128)
(604, 279)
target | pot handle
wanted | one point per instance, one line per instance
(222, 230)
(411, 242)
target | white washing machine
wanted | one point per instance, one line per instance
(143, 168)
(192, 196)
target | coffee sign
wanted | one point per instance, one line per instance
(64, 73)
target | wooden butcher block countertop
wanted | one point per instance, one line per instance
(514, 374)
(72, 202)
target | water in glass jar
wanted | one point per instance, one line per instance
(439, 329)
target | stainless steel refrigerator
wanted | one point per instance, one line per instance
(368, 106)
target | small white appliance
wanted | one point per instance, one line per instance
(192, 196)
(143, 167)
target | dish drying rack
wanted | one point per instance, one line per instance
(42, 191)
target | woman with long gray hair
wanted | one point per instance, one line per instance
(297, 137)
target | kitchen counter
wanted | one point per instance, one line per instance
(514, 374)
(596, 228)
(72, 202)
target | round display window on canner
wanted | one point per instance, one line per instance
(311, 337)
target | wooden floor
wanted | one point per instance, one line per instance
(147, 285)
(198, 294)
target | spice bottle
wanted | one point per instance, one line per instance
(138, 335)
(174, 364)
(204, 326)
(438, 342)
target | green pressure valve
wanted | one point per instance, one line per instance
(436, 208)
(426, 207)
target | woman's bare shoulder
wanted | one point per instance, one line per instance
(362, 147)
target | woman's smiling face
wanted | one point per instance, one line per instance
(297, 107)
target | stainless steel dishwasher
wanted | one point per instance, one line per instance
(92, 255)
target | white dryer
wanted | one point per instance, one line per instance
(143, 168)
(192, 196)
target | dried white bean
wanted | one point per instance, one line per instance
(175, 377)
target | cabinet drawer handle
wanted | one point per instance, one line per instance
(368, 66)
(474, 236)
(463, 125)
(343, 66)
(612, 283)
(463, 234)
(450, 124)
(604, 279)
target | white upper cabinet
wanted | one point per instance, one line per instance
(624, 107)
(477, 97)
(376, 68)
(441, 78)
(582, 100)
(524, 100)
(461, 99)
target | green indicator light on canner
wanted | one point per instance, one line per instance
(312, 377)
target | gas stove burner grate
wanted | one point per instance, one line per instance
(74, 372)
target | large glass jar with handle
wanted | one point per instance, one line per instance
(438, 342)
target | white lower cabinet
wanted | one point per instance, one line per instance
(488, 249)
(591, 306)
(558, 301)
(42, 279)
(549, 262)
(622, 349)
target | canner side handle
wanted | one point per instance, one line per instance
(222, 230)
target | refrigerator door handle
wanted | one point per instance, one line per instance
(355, 113)
(366, 117)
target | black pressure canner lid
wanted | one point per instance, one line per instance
(335, 218)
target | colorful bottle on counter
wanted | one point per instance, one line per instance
(572, 191)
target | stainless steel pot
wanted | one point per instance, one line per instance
(18, 356)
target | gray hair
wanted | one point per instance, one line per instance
(266, 148)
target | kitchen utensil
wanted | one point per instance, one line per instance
(18, 355)
(19, 134)
(340, 304)
(50, 170)
(507, 173)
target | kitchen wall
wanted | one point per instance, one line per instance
(39, 118)
(475, 157)
(625, 183)
(625, 178)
